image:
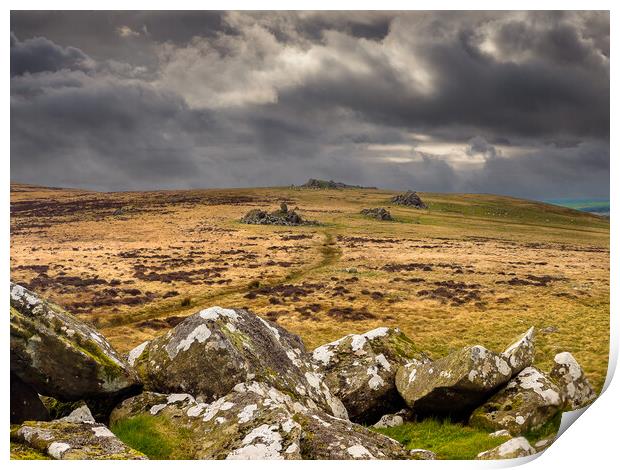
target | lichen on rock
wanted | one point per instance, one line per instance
(213, 350)
(257, 421)
(512, 449)
(63, 440)
(574, 387)
(454, 384)
(360, 369)
(526, 403)
(60, 356)
(520, 354)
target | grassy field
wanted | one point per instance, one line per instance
(471, 269)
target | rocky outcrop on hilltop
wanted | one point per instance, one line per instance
(313, 183)
(410, 199)
(236, 386)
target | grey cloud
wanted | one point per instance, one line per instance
(41, 55)
(478, 145)
(215, 99)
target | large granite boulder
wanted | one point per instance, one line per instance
(210, 352)
(526, 403)
(520, 354)
(60, 356)
(574, 387)
(25, 403)
(73, 440)
(512, 449)
(453, 385)
(257, 421)
(360, 370)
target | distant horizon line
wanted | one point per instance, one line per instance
(541, 199)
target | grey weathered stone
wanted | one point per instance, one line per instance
(454, 384)
(379, 213)
(422, 454)
(210, 352)
(360, 370)
(410, 198)
(63, 440)
(79, 415)
(526, 403)
(512, 449)
(543, 444)
(60, 356)
(574, 387)
(520, 354)
(257, 421)
(279, 217)
(394, 419)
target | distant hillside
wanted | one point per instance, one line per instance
(594, 206)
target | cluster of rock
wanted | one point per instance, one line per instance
(240, 387)
(313, 183)
(411, 199)
(283, 216)
(378, 213)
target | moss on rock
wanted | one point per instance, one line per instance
(60, 356)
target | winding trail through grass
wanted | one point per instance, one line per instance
(329, 252)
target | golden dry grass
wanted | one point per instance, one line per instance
(477, 268)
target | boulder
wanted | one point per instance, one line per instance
(574, 387)
(378, 213)
(60, 356)
(394, 419)
(543, 444)
(411, 199)
(278, 217)
(453, 385)
(520, 354)
(360, 370)
(526, 403)
(79, 415)
(422, 454)
(64, 440)
(25, 403)
(512, 449)
(257, 421)
(210, 352)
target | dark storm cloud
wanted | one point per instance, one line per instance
(41, 55)
(512, 102)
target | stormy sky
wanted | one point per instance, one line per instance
(512, 103)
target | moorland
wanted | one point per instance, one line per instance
(469, 266)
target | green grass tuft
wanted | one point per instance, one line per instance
(154, 436)
(448, 440)
(550, 428)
